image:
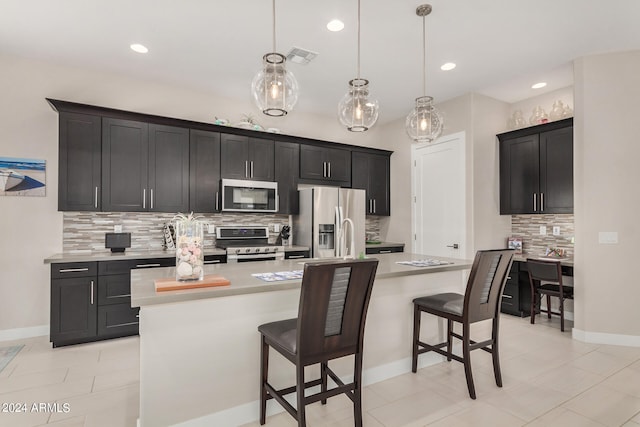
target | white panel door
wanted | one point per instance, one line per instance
(439, 208)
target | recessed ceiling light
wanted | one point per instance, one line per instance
(538, 85)
(335, 25)
(136, 47)
(448, 66)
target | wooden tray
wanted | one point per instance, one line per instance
(171, 284)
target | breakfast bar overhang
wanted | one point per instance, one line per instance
(199, 348)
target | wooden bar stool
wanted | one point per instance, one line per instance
(481, 301)
(331, 316)
(545, 278)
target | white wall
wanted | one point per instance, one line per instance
(31, 228)
(606, 173)
(545, 101)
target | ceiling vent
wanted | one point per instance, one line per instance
(298, 55)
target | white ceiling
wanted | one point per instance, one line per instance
(501, 46)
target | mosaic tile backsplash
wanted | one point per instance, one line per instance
(84, 231)
(528, 228)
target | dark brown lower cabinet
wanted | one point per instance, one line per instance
(91, 301)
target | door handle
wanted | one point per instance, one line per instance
(151, 198)
(324, 169)
(246, 168)
(216, 200)
(541, 202)
(535, 204)
(92, 292)
(374, 206)
(454, 246)
(251, 169)
(370, 205)
(144, 198)
(95, 203)
(329, 163)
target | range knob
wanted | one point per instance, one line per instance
(237, 251)
(247, 250)
(257, 250)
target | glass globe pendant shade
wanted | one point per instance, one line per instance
(424, 123)
(274, 89)
(357, 110)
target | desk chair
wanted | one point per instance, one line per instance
(331, 316)
(545, 277)
(481, 301)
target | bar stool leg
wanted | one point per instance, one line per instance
(357, 392)
(561, 313)
(495, 355)
(264, 372)
(466, 355)
(548, 306)
(416, 337)
(302, 422)
(449, 339)
(323, 378)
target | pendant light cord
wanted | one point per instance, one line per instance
(274, 25)
(358, 73)
(424, 57)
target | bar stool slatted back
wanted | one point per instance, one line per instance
(331, 317)
(481, 301)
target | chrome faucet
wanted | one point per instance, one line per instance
(343, 241)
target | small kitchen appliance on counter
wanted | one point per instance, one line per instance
(117, 242)
(246, 244)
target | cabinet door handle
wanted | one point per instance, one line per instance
(216, 200)
(73, 270)
(147, 265)
(144, 198)
(384, 252)
(324, 169)
(506, 296)
(151, 197)
(374, 206)
(92, 292)
(213, 261)
(329, 163)
(95, 200)
(251, 168)
(535, 204)
(246, 168)
(295, 256)
(541, 202)
(370, 206)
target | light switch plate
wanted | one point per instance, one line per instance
(275, 228)
(543, 230)
(608, 237)
(211, 228)
(556, 230)
(117, 228)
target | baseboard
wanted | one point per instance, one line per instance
(604, 338)
(22, 333)
(249, 412)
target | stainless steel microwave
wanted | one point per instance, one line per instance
(249, 196)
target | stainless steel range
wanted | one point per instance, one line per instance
(246, 244)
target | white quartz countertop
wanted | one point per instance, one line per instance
(143, 291)
(566, 261)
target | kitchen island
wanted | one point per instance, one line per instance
(200, 348)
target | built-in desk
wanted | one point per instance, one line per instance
(516, 298)
(200, 348)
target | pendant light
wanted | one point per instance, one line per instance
(357, 110)
(424, 123)
(274, 89)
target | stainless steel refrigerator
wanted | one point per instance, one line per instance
(323, 216)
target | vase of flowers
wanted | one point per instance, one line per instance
(189, 247)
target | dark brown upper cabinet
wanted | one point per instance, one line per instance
(325, 165)
(371, 173)
(204, 169)
(79, 183)
(287, 170)
(536, 169)
(243, 157)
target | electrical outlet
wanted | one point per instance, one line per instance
(543, 230)
(556, 230)
(211, 228)
(117, 228)
(275, 228)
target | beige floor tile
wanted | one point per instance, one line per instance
(116, 379)
(51, 392)
(636, 418)
(600, 363)
(117, 406)
(70, 422)
(527, 401)
(625, 381)
(23, 419)
(18, 382)
(53, 359)
(367, 421)
(630, 424)
(629, 353)
(398, 387)
(561, 417)
(605, 405)
(568, 379)
(282, 419)
(635, 366)
(417, 409)
(480, 414)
